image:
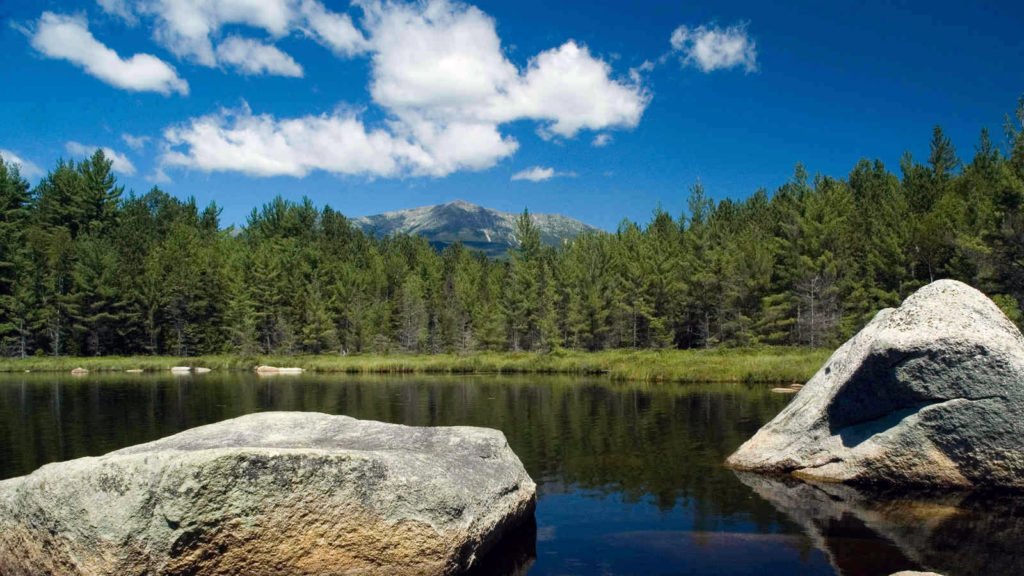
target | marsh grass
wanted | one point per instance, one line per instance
(776, 364)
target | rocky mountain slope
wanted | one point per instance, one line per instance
(480, 228)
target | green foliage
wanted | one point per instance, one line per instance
(86, 269)
(762, 364)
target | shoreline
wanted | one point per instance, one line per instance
(768, 364)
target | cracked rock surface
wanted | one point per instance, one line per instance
(928, 394)
(271, 493)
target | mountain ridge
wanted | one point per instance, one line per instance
(477, 227)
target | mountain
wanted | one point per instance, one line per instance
(477, 227)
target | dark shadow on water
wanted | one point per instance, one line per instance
(867, 532)
(513, 555)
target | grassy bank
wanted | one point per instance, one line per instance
(726, 365)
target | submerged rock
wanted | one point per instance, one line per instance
(930, 393)
(271, 493)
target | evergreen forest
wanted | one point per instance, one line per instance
(87, 268)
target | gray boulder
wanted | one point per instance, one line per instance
(930, 393)
(271, 493)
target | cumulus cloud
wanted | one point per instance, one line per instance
(135, 142)
(250, 56)
(121, 162)
(441, 61)
(439, 72)
(68, 38)
(188, 28)
(711, 48)
(28, 169)
(601, 140)
(540, 174)
(261, 145)
(333, 30)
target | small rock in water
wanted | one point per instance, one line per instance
(784, 390)
(201, 370)
(930, 393)
(271, 493)
(134, 371)
(268, 370)
(79, 371)
(181, 370)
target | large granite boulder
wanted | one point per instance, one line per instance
(930, 393)
(271, 493)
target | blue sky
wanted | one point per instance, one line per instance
(380, 106)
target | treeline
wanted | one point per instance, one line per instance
(87, 270)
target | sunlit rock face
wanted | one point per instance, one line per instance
(930, 394)
(873, 530)
(272, 493)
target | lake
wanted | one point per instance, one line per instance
(629, 477)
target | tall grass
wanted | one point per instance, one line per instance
(776, 364)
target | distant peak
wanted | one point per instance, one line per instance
(477, 227)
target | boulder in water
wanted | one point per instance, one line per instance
(271, 493)
(267, 370)
(930, 393)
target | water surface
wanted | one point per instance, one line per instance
(629, 476)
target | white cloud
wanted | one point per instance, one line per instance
(335, 31)
(68, 38)
(637, 73)
(120, 8)
(711, 48)
(250, 56)
(442, 61)
(535, 174)
(159, 176)
(135, 142)
(121, 162)
(185, 27)
(539, 174)
(601, 140)
(188, 27)
(29, 170)
(260, 145)
(440, 75)
(574, 91)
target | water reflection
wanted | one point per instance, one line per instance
(629, 477)
(871, 532)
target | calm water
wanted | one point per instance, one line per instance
(629, 477)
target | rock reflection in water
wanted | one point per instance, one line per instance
(871, 532)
